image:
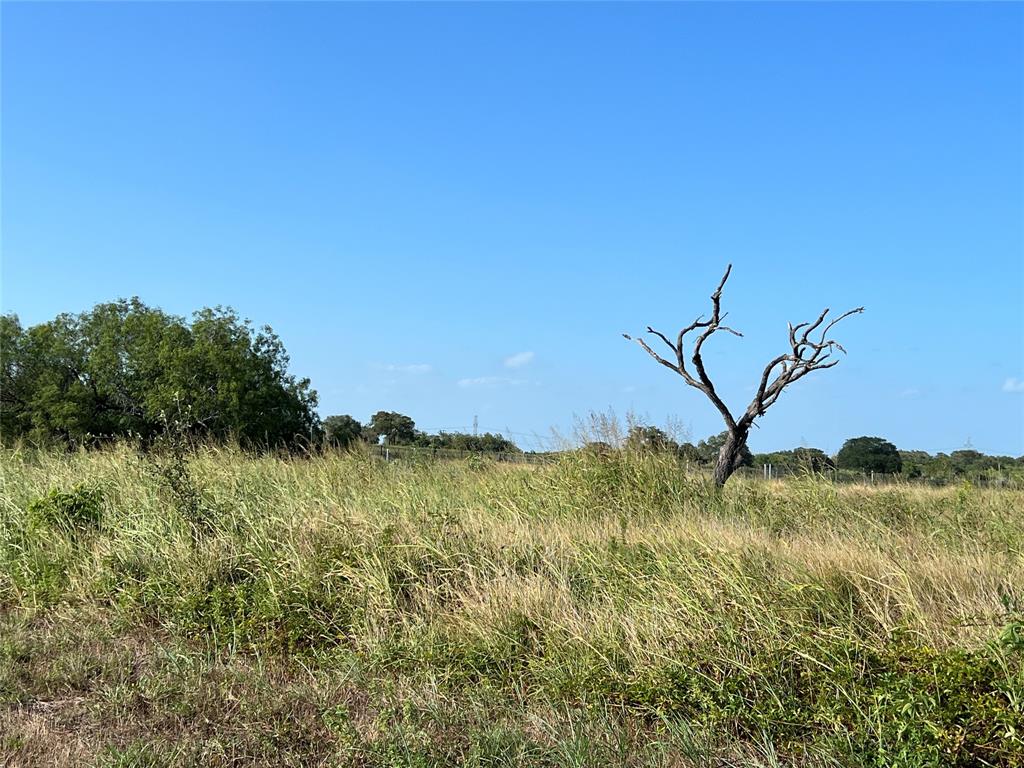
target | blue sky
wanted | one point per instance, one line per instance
(456, 209)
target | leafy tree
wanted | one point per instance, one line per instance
(644, 438)
(689, 453)
(813, 459)
(397, 428)
(461, 441)
(807, 459)
(869, 454)
(962, 463)
(709, 451)
(242, 385)
(124, 368)
(915, 464)
(342, 431)
(14, 395)
(971, 462)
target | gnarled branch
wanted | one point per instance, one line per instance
(806, 354)
(707, 328)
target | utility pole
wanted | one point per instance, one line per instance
(476, 424)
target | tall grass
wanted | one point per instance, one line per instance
(601, 610)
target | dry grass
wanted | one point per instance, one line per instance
(602, 610)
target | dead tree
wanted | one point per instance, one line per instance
(805, 355)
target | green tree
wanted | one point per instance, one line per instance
(812, 459)
(342, 431)
(797, 459)
(124, 368)
(396, 428)
(239, 379)
(710, 450)
(461, 441)
(915, 464)
(970, 462)
(646, 438)
(14, 378)
(689, 453)
(869, 454)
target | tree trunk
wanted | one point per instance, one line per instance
(729, 457)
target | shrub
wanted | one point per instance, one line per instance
(69, 511)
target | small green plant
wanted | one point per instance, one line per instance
(138, 754)
(965, 495)
(71, 511)
(1012, 636)
(168, 457)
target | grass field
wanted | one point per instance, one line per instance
(601, 610)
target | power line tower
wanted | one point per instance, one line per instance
(476, 425)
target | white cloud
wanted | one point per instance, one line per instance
(413, 368)
(910, 392)
(518, 360)
(1013, 385)
(490, 381)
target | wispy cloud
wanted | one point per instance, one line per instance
(910, 392)
(410, 368)
(1013, 384)
(518, 360)
(490, 381)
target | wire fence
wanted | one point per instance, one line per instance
(989, 479)
(766, 472)
(392, 452)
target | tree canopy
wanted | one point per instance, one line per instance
(341, 431)
(869, 454)
(124, 368)
(648, 438)
(708, 450)
(809, 459)
(461, 441)
(396, 428)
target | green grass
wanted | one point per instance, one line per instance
(596, 611)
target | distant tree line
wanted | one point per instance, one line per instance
(125, 369)
(963, 463)
(859, 454)
(648, 438)
(874, 454)
(398, 429)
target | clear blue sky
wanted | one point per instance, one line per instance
(453, 210)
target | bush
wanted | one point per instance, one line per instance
(69, 511)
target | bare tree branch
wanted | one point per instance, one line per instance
(708, 328)
(805, 355)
